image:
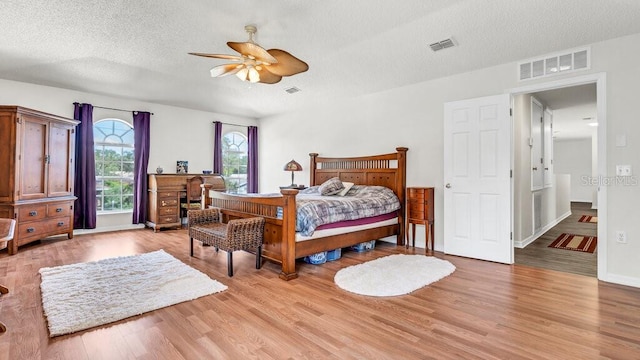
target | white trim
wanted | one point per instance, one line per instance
(108, 229)
(523, 243)
(621, 279)
(601, 91)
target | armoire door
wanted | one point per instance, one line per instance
(60, 169)
(33, 151)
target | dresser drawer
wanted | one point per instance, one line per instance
(164, 211)
(417, 194)
(32, 212)
(61, 209)
(168, 202)
(167, 194)
(168, 219)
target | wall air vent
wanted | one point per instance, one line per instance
(292, 90)
(555, 64)
(446, 43)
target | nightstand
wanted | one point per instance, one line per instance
(420, 212)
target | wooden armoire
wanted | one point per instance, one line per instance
(36, 173)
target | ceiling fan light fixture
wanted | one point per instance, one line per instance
(254, 77)
(242, 74)
(254, 63)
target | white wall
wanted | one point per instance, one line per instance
(412, 116)
(176, 133)
(574, 157)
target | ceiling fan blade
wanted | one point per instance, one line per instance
(266, 77)
(249, 48)
(287, 64)
(226, 69)
(219, 56)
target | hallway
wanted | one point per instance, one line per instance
(538, 254)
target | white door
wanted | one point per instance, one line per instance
(477, 166)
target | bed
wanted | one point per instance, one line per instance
(281, 243)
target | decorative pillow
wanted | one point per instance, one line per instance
(347, 187)
(331, 186)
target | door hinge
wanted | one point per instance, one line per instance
(510, 111)
(511, 173)
(511, 235)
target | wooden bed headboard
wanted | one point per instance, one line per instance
(388, 170)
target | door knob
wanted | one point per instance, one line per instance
(448, 186)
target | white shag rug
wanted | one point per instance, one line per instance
(393, 275)
(80, 296)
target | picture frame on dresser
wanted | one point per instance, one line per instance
(182, 167)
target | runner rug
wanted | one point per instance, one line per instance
(80, 296)
(575, 243)
(393, 275)
(588, 219)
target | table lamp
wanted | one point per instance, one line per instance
(292, 166)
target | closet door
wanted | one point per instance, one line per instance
(537, 161)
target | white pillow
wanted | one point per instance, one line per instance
(347, 187)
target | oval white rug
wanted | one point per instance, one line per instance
(393, 275)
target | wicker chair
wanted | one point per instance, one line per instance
(238, 234)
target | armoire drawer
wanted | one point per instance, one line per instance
(60, 209)
(32, 212)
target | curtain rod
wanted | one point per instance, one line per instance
(224, 123)
(108, 108)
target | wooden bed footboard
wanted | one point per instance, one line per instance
(279, 210)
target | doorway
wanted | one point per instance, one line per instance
(572, 132)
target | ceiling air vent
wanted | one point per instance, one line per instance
(555, 64)
(446, 43)
(292, 90)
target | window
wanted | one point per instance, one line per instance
(235, 156)
(113, 148)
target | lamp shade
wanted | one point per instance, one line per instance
(292, 166)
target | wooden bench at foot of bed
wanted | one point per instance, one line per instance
(279, 210)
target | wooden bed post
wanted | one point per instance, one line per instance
(289, 235)
(401, 186)
(312, 169)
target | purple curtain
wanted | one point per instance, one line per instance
(141, 120)
(217, 148)
(84, 213)
(252, 166)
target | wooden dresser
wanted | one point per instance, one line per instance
(165, 192)
(420, 212)
(36, 181)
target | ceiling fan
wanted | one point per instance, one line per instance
(255, 64)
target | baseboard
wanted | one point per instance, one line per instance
(524, 242)
(622, 280)
(108, 229)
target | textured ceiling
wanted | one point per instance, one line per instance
(138, 49)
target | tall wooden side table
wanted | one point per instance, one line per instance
(7, 227)
(420, 212)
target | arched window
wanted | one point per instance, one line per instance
(235, 156)
(113, 147)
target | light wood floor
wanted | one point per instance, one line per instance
(483, 310)
(539, 254)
